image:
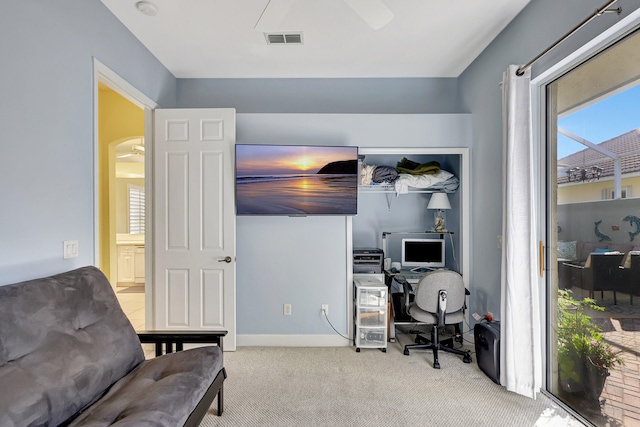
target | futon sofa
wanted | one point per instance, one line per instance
(69, 356)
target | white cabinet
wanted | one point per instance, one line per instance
(370, 313)
(138, 260)
(126, 273)
(130, 264)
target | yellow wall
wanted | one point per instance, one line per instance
(118, 119)
(592, 191)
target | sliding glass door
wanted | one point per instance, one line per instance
(593, 217)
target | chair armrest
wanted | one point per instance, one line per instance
(168, 338)
(407, 290)
(573, 265)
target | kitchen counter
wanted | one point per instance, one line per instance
(129, 239)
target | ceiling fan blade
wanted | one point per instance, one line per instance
(373, 12)
(273, 14)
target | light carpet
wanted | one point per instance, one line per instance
(285, 386)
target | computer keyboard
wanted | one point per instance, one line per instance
(410, 277)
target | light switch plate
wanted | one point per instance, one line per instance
(70, 249)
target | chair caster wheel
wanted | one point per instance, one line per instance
(406, 352)
(357, 350)
(467, 358)
(436, 365)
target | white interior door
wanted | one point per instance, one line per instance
(194, 208)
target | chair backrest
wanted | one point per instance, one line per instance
(605, 266)
(430, 285)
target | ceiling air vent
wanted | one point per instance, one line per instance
(283, 38)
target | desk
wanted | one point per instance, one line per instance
(411, 277)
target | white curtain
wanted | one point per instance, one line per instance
(520, 355)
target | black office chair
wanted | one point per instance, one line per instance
(440, 301)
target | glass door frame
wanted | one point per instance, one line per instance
(545, 184)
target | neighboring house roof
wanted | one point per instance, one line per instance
(622, 145)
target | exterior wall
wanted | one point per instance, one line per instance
(577, 221)
(592, 191)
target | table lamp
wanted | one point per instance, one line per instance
(439, 202)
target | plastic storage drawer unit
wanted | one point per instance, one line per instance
(370, 313)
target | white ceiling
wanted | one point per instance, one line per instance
(220, 38)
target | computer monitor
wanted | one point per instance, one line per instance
(423, 253)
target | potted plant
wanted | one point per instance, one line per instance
(584, 358)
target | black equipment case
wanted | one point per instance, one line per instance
(487, 343)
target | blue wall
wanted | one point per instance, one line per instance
(476, 91)
(303, 261)
(46, 118)
(538, 26)
(370, 95)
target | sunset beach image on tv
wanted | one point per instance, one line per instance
(296, 180)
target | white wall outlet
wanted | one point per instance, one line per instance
(499, 241)
(325, 309)
(287, 310)
(70, 249)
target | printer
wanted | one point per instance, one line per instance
(368, 260)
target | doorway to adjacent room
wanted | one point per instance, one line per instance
(122, 199)
(121, 213)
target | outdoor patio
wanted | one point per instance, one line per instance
(619, 403)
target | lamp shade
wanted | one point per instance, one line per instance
(439, 201)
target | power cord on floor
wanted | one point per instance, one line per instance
(330, 324)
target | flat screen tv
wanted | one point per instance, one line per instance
(423, 253)
(296, 180)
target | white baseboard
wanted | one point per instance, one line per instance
(292, 341)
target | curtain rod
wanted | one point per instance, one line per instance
(604, 9)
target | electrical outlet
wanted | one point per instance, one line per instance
(325, 309)
(499, 241)
(287, 310)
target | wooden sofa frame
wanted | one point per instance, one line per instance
(164, 343)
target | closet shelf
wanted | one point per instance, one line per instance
(391, 189)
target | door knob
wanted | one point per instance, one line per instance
(226, 259)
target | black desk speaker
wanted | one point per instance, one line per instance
(487, 343)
